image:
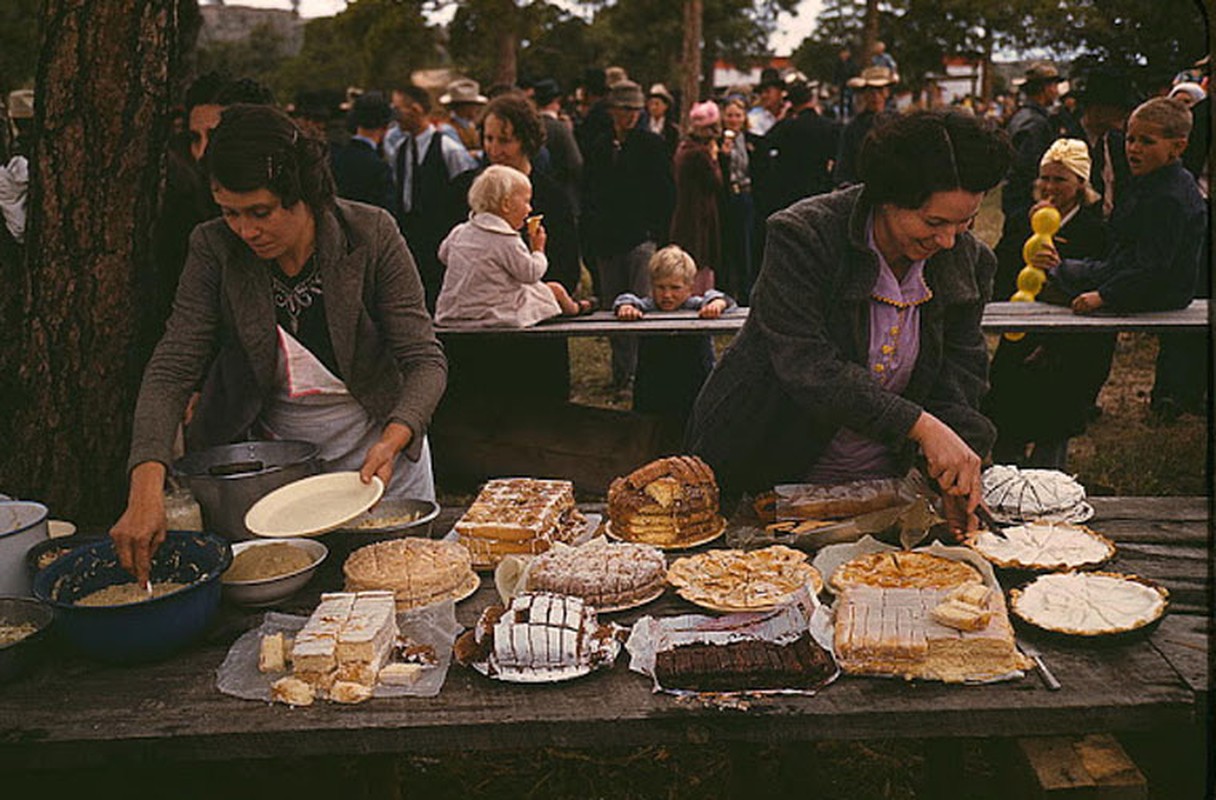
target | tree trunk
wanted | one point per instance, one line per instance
(690, 77)
(69, 373)
(986, 65)
(508, 44)
(869, 33)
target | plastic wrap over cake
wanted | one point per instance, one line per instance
(539, 637)
(1027, 495)
(784, 651)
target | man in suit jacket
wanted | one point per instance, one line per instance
(360, 171)
(802, 147)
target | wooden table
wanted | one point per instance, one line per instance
(73, 713)
(998, 318)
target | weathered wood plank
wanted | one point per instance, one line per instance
(998, 318)
(1094, 766)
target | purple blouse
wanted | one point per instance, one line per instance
(894, 345)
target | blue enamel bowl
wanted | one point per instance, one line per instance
(148, 630)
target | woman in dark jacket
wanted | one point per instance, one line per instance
(1044, 385)
(302, 318)
(864, 343)
(696, 222)
(512, 134)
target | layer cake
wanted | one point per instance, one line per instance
(669, 503)
(514, 516)
(346, 640)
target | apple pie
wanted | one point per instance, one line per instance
(902, 569)
(735, 580)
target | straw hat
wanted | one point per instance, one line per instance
(876, 77)
(463, 90)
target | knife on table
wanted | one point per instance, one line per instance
(1034, 655)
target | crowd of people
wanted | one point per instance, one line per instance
(304, 257)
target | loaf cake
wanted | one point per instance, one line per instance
(514, 516)
(744, 664)
(604, 574)
(348, 638)
(887, 631)
(418, 572)
(671, 502)
(539, 636)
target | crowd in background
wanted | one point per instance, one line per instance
(619, 170)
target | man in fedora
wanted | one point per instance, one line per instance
(565, 159)
(771, 92)
(628, 194)
(464, 102)
(802, 148)
(871, 89)
(359, 169)
(1031, 132)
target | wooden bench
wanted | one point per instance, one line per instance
(73, 713)
(998, 318)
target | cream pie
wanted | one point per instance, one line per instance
(1044, 546)
(1089, 603)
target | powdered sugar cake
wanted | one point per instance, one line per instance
(604, 574)
(518, 516)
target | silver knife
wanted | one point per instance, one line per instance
(1033, 653)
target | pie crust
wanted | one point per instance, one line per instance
(1089, 604)
(1044, 547)
(735, 580)
(902, 569)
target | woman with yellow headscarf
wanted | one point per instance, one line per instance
(1044, 386)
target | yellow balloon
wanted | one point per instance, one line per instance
(1031, 279)
(1022, 297)
(1045, 221)
(1015, 336)
(1033, 245)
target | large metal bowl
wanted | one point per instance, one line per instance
(147, 630)
(268, 591)
(18, 657)
(227, 480)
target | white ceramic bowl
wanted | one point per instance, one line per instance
(268, 591)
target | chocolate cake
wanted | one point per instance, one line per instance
(745, 664)
(669, 503)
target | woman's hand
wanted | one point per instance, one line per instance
(1046, 258)
(382, 455)
(713, 309)
(142, 527)
(1086, 302)
(959, 518)
(627, 311)
(952, 463)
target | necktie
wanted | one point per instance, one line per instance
(415, 183)
(1108, 179)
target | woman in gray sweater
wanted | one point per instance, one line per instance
(863, 345)
(300, 316)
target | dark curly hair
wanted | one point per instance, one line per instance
(906, 160)
(522, 116)
(259, 147)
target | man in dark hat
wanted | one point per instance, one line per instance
(565, 158)
(628, 195)
(1031, 132)
(360, 171)
(1106, 97)
(872, 89)
(771, 91)
(802, 148)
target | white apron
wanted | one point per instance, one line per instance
(308, 398)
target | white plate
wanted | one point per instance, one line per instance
(313, 506)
